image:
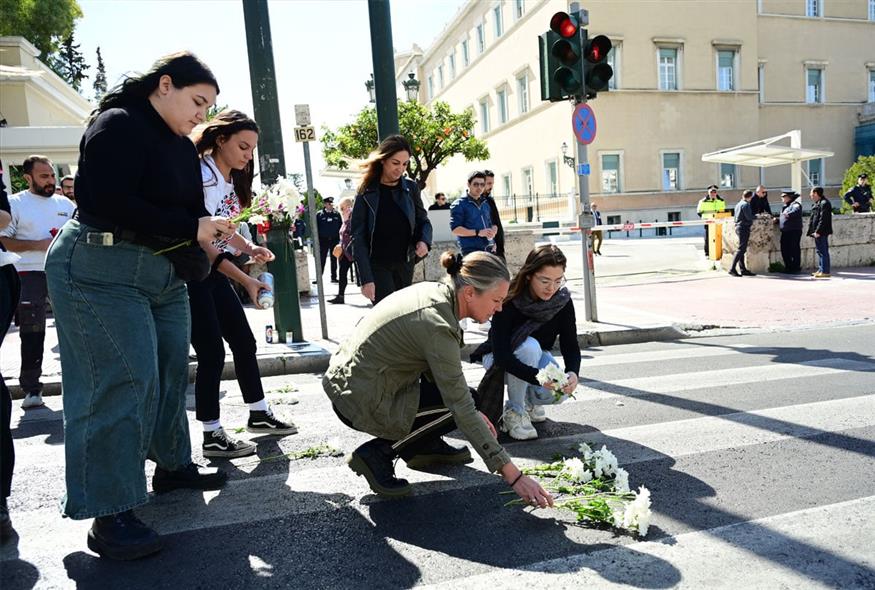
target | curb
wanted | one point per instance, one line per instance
(290, 363)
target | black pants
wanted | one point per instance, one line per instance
(9, 294)
(743, 238)
(706, 241)
(345, 266)
(32, 329)
(390, 277)
(326, 245)
(432, 420)
(790, 249)
(217, 313)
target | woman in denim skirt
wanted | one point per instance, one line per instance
(121, 308)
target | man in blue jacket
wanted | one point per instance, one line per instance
(471, 218)
(743, 223)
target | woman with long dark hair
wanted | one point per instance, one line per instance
(390, 227)
(121, 307)
(226, 146)
(537, 310)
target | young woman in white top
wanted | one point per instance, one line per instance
(225, 145)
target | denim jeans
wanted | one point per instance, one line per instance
(821, 244)
(123, 328)
(520, 392)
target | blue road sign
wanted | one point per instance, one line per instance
(583, 169)
(583, 124)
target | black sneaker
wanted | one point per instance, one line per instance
(338, 299)
(734, 273)
(191, 477)
(747, 273)
(218, 444)
(122, 536)
(266, 423)
(6, 530)
(374, 460)
(438, 452)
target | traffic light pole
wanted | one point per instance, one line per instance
(383, 54)
(585, 222)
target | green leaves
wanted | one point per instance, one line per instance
(435, 135)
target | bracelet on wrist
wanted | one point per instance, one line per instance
(513, 483)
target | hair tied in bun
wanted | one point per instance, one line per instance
(455, 266)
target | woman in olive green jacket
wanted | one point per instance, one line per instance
(399, 377)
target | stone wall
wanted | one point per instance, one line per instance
(518, 242)
(851, 244)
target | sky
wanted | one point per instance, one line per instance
(321, 52)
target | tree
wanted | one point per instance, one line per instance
(99, 78)
(435, 135)
(863, 165)
(215, 110)
(69, 63)
(45, 23)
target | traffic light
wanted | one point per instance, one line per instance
(596, 71)
(560, 51)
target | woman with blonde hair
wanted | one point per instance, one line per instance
(342, 250)
(399, 378)
(390, 227)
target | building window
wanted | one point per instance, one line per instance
(484, 115)
(506, 185)
(499, 20)
(668, 68)
(452, 61)
(466, 54)
(727, 176)
(871, 9)
(872, 84)
(726, 70)
(613, 60)
(813, 85)
(614, 220)
(430, 87)
(674, 216)
(671, 171)
(761, 82)
(812, 7)
(610, 173)
(522, 93)
(552, 170)
(481, 38)
(519, 8)
(440, 72)
(815, 172)
(501, 99)
(528, 182)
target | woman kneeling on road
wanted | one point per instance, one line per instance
(538, 308)
(399, 377)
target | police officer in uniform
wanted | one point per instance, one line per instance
(709, 206)
(328, 222)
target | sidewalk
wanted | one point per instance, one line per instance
(665, 308)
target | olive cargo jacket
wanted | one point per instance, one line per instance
(373, 379)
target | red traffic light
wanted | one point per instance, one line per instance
(597, 49)
(563, 24)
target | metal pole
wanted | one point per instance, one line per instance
(383, 55)
(262, 79)
(314, 232)
(585, 222)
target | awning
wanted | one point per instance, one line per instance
(766, 153)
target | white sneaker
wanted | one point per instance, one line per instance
(536, 412)
(32, 400)
(518, 426)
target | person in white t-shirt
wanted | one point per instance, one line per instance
(37, 215)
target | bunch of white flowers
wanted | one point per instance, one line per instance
(575, 470)
(635, 515)
(553, 378)
(278, 203)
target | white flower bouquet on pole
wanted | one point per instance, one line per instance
(595, 489)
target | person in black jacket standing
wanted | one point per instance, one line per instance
(860, 196)
(743, 223)
(121, 307)
(493, 212)
(328, 222)
(820, 227)
(790, 224)
(390, 226)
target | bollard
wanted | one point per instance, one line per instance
(715, 241)
(287, 304)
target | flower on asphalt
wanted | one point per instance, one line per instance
(637, 514)
(621, 480)
(585, 450)
(605, 463)
(575, 470)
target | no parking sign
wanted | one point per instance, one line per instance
(583, 123)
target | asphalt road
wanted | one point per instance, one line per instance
(759, 451)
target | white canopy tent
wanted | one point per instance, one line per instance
(769, 152)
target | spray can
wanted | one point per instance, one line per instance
(265, 296)
(268, 333)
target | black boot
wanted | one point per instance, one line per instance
(122, 536)
(338, 299)
(6, 530)
(374, 461)
(192, 477)
(436, 452)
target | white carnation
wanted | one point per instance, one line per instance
(575, 470)
(621, 480)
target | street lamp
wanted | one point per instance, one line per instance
(567, 159)
(411, 86)
(369, 84)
